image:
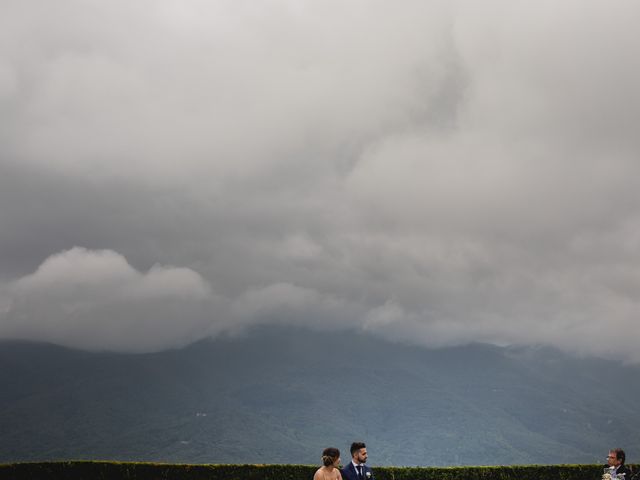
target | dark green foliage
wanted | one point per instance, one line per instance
(86, 470)
(523, 472)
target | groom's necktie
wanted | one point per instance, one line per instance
(360, 476)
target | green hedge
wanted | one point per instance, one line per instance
(90, 470)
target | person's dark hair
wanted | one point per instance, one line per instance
(355, 446)
(329, 456)
(619, 455)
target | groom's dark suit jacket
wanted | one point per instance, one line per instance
(349, 472)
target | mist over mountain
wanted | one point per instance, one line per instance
(281, 395)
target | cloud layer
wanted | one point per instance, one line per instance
(438, 173)
(96, 300)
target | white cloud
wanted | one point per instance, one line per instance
(283, 303)
(222, 88)
(96, 300)
(432, 172)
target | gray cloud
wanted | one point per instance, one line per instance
(96, 300)
(437, 173)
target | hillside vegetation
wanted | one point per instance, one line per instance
(281, 396)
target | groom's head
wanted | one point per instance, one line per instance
(358, 452)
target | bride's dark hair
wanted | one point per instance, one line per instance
(329, 456)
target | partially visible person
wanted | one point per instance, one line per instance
(330, 463)
(615, 463)
(356, 468)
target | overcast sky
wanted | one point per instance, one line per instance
(431, 172)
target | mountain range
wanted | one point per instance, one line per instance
(281, 395)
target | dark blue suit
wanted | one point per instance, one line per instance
(349, 472)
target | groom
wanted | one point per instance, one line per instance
(356, 468)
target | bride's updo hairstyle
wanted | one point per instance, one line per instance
(329, 456)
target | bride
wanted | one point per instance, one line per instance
(330, 462)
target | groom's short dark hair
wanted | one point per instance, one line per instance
(355, 446)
